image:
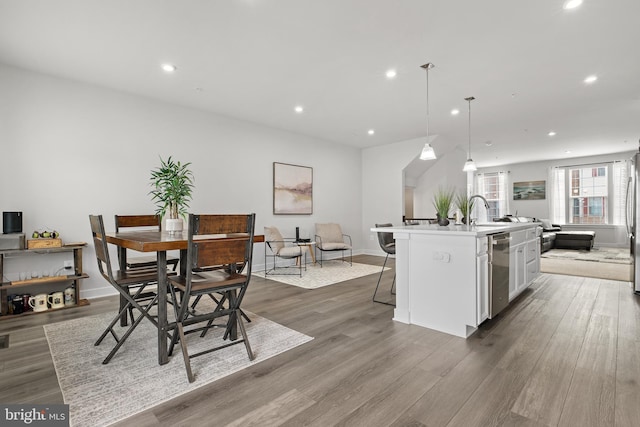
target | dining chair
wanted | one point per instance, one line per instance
(134, 287)
(388, 245)
(329, 237)
(277, 247)
(141, 222)
(219, 268)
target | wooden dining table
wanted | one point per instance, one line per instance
(161, 242)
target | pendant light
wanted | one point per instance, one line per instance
(427, 152)
(469, 165)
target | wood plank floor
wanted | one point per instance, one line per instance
(565, 353)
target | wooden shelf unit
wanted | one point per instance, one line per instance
(20, 286)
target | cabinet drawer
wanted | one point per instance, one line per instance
(532, 250)
(532, 233)
(518, 237)
(482, 245)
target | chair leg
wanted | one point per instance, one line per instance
(245, 338)
(130, 330)
(378, 284)
(185, 354)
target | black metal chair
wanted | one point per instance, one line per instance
(134, 287)
(277, 247)
(329, 237)
(387, 244)
(141, 222)
(219, 268)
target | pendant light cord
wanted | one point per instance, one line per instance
(427, 104)
(469, 99)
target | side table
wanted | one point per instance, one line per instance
(309, 246)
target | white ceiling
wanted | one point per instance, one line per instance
(524, 61)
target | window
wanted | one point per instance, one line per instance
(492, 186)
(589, 194)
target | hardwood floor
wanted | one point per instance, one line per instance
(565, 353)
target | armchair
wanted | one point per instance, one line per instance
(329, 237)
(275, 246)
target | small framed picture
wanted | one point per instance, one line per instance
(529, 190)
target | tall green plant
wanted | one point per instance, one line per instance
(172, 184)
(442, 201)
(462, 202)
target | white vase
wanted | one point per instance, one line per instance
(173, 225)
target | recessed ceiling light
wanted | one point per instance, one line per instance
(567, 152)
(488, 143)
(571, 4)
(169, 68)
(299, 109)
(391, 74)
(455, 112)
(552, 133)
(371, 132)
(591, 79)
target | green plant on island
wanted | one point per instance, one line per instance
(462, 202)
(172, 184)
(442, 201)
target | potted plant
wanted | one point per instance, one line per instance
(466, 207)
(442, 201)
(172, 184)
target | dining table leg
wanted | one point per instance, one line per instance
(163, 356)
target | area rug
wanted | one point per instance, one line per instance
(611, 255)
(99, 395)
(600, 263)
(330, 273)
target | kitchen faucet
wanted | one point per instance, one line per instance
(486, 204)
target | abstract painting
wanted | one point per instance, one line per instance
(529, 190)
(292, 189)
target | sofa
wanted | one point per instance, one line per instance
(553, 236)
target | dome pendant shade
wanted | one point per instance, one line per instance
(428, 153)
(469, 166)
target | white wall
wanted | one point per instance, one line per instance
(383, 186)
(606, 235)
(447, 173)
(71, 149)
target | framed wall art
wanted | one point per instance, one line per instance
(529, 190)
(292, 189)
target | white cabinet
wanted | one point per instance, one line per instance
(524, 260)
(482, 280)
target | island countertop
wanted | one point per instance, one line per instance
(483, 229)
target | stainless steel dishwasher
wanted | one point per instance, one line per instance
(498, 272)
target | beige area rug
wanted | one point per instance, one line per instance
(332, 271)
(601, 263)
(609, 255)
(99, 395)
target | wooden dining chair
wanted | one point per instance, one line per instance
(141, 222)
(219, 269)
(134, 286)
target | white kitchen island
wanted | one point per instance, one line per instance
(442, 273)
